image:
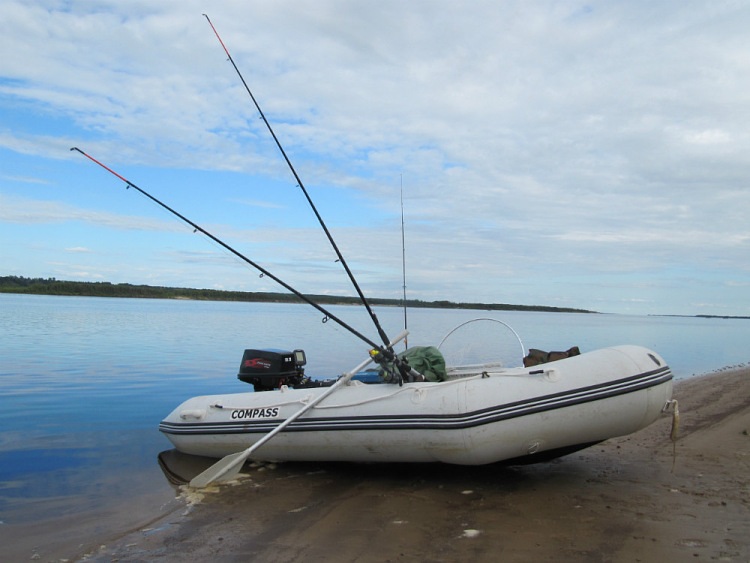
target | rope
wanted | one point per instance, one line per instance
(366, 401)
(301, 401)
(674, 405)
(418, 391)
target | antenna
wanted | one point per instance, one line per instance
(403, 259)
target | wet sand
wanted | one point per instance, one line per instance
(637, 498)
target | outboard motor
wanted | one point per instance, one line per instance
(269, 369)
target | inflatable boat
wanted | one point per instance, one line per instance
(475, 415)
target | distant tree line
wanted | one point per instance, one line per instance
(52, 286)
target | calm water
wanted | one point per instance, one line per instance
(84, 382)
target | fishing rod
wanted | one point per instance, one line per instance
(374, 318)
(328, 315)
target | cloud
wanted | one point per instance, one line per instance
(24, 179)
(30, 211)
(534, 140)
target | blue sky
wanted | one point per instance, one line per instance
(574, 154)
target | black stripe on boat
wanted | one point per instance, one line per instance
(435, 421)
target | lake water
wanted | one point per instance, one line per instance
(84, 383)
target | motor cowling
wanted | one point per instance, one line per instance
(269, 369)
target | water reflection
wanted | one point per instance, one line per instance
(180, 468)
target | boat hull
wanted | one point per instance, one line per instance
(515, 414)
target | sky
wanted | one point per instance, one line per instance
(593, 155)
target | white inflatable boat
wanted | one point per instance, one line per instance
(476, 416)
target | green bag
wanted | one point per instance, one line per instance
(427, 360)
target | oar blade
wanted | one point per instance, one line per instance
(223, 470)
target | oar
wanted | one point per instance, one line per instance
(227, 467)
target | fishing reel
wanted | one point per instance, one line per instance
(395, 369)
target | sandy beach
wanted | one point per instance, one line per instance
(636, 498)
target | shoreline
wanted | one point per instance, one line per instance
(18, 285)
(634, 498)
